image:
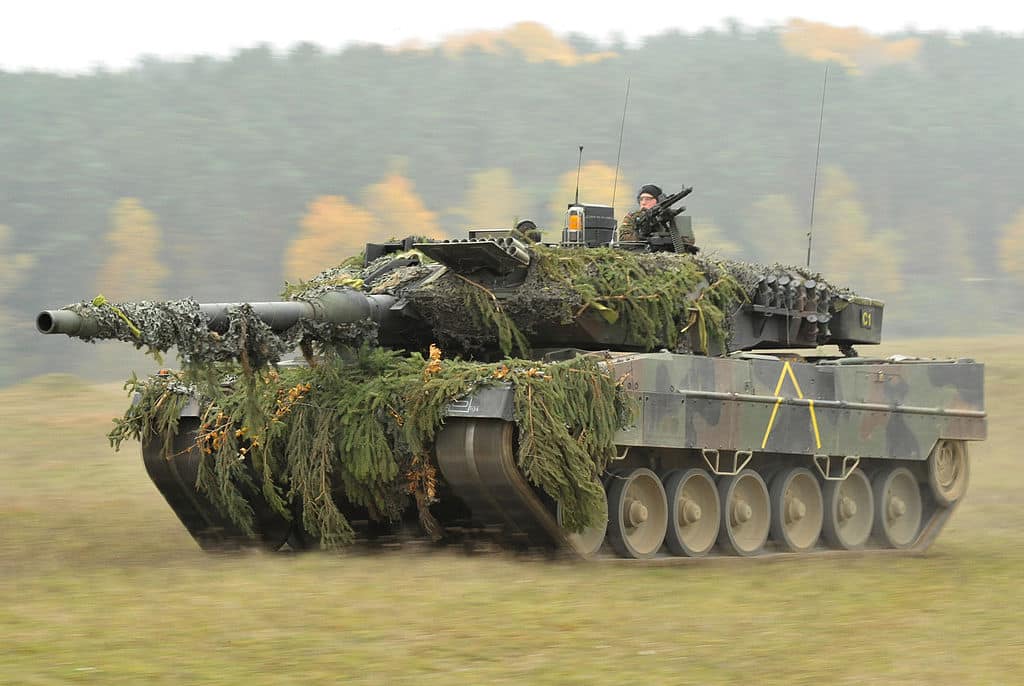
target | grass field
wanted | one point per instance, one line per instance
(100, 584)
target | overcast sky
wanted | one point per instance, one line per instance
(77, 35)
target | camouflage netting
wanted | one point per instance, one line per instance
(358, 431)
(655, 298)
(180, 324)
(652, 296)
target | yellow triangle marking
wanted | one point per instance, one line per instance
(787, 369)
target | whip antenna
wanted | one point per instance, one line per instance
(817, 155)
(579, 165)
(615, 180)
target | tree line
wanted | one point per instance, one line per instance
(222, 178)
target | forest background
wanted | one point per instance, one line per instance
(222, 178)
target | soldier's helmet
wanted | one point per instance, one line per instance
(650, 189)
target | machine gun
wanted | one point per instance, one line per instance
(658, 225)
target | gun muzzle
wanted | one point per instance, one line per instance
(66, 322)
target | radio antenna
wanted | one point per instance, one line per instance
(622, 128)
(817, 155)
(579, 165)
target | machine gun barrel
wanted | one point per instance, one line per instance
(668, 201)
(338, 306)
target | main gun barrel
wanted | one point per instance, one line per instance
(338, 306)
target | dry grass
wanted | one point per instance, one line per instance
(100, 584)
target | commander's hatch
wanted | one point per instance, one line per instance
(486, 250)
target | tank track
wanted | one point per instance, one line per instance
(176, 477)
(477, 459)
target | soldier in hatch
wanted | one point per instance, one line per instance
(647, 198)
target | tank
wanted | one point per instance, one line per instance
(587, 396)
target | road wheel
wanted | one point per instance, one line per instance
(849, 511)
(897, 507)
(694, 512)
(638, 513)
(745, 513)
(797, 509)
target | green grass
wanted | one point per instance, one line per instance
(100, 584)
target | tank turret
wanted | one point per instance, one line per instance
(543, 296)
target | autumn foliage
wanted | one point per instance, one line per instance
(399, 210)
(332, 230)
(854, 48)
(532, 41)
(133, 268)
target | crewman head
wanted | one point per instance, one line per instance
(648, 195)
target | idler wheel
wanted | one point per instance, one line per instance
(638, 513)
(745, 520)
(897, 507)
(797, 509)
(948, 471)
(849, 511)
(694, 512)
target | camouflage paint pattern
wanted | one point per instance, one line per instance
(853, 406)
(861, 407)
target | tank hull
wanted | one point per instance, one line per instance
(748, 455)
(818, 449)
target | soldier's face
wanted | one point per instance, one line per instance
(647, 201)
